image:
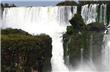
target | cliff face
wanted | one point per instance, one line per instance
(80, 36)
(22, 52)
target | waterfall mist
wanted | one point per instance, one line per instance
(91, 13)
(37, 20)
(53, 21)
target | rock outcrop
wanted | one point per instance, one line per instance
(81, 36)
(22, 52)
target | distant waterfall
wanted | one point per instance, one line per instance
(89, 13)
(94, 12)
(28, 17)
(37, 20)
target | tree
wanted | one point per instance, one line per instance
(78, 23)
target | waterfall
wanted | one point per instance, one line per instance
(57, 58)
(91, 12)
(91, 50)
(37, 20)
(82, 55)
(103, 10)
(106, 53)
(26, 17)
(53, 21)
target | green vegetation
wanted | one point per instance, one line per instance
(14, 31)
(22, 52)
(78, 23)
(96, 27)
(67, 3)
(93, 2)
(79, 35)
(5, 5)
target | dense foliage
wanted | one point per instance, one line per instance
(22, 52)
(7, 5)
(67, 3)
(93, 2)
(78, 23)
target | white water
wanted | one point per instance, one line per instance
(52, 21)
(106, 53)
(57, 58)
(37, 20)
(103, 10)
(90, 13)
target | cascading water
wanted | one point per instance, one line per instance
(57, 59)
(103, 10)
(89, 13)
(106, 53)
(53, 21)
(48, 20)
(97, 13)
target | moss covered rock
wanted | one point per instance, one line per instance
(78, 23)
(97, 27)
(81, 36)
(21, 52)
